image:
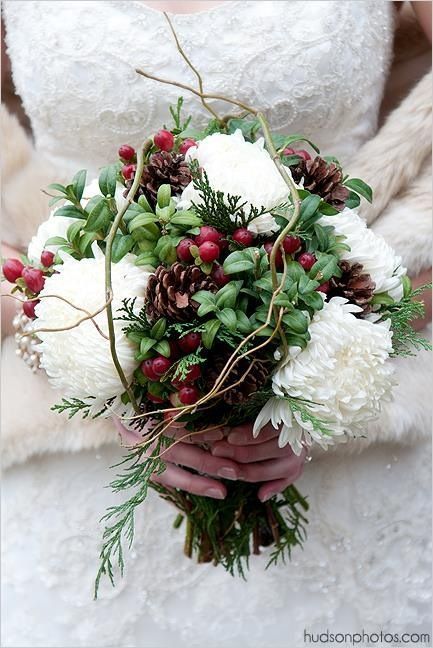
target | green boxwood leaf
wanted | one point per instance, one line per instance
(228, 317)
(158, 329)
(243, 323)
(122, 244)
(141, 220)
(353, 201)
(325, 267)
(296, 322)
(186, 218)
(211, 328)
(238, 261)
(69, 211)
(361, 188)
(163, 348)
(147, 259)
(313, 300)
(56, 240)
(85, 242)
(205, 297)
(309, 207)
(108, 179)
(146, 344)
(99, 216)
(74, 231)
(327, 210)
(78, 183)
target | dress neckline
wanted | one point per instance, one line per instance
(174, 15)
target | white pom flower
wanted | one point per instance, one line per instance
(237, 167)
(58, 225)
(78, 361)
(370, 249)
(343, 373)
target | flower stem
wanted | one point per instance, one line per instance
(108, 260)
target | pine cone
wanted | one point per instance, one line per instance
(354, 284)
(162, 168)
(170, 291)
(323, 179)
(253, 381)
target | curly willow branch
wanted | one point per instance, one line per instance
(108, 253)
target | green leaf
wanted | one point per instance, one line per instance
(297, 340)
(55, 186)
(85, 241)
(296, 322)
(228, 317)
(361, 188)
(249, 127)
(78, 183)
(163, 347)
(243, 323)
(325, 267)
(108, 180)
(353, 201)
(238, 261)
(54, 200)
(122, 244)
(383, 299)
(407, 285)
(69, 211)
(141, 220)
(211, 328)
(309, 207)
(74, 231)
(204, 297)
(283, 141)
(147, 259)
(158, 329)
(164, 196)
(327, 210)
(313, 300)
(186, 218)
(56, 240)
(226, 296)
(146, 344)
(99, 216)
(144, 204)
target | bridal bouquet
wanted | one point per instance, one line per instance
(210, 278)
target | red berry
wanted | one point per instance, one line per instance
(209, 251)
(12, 269)
(147, 369)
(307, 260)
(278, 257)
(47, 258)
(208, 233)
(291, 244)
(189, 395)
(174, 350)
(289, 151)
(29, 308)
(193, 374)
(128, 170)
(219, 276)
(34, 279)
(183, 252)
(126, 152)
(154, 399)
(186, 144)
(324, 287)
(164, 140)
(160, 365)
(303, 154)
(190, 342)
(243, 236)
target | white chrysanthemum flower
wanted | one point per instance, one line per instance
(343, 373)
(78, 361)
(370, 249)
(240, 168)
(58, 225)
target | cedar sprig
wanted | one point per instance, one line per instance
(137, 321)
(139, 466)
(404, 337)
(72, 407)
(223, 211)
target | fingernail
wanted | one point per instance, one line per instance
(227, 472)
(213, 436)
(223, 451)
(215, 493)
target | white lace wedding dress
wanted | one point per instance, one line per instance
(317, 68)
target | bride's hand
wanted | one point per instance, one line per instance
(260, 459)
(186, 454)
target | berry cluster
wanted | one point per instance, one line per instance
(158, 369)
(163, 140)
(29, 280)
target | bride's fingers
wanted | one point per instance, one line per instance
(212, 435)
(271, 488)
(176, 477)
(251, 453)
(202, 460)
(289, 467)
(243, 435)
